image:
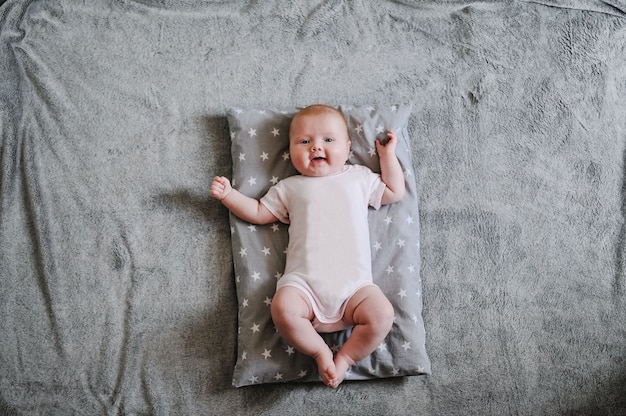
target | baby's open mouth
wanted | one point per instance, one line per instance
(319, 158)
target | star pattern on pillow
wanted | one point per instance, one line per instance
(260, 159)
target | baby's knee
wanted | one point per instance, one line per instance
(280, 310)
(287, 304)
(379, 315)
(371, 307)
(385, 315)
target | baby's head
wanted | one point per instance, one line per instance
(319, 144)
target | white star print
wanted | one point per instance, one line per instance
(378, 246)
(278, 275)
(389, 269)
(242, 157)
(275, 132)
(402, 293)
(252, 228)
(252, 180)
(242, 252)
(278, 376)
(388, 220)
(253, 379)
(400, 243)
(275, 227)
(395, 372)
(394, 108)
(232, 135)
(370, 108)
(335, 348)
(406, 345)
(267, 301)
(255, 328)
(382, 347)
(372, 152)
(266, 251)
(252, 132)
(264, 156)
(411, 268)
(267, 353)
(409, 220)
(380, 129)
(244, 303)
(285, 156)
(274, 180)
(302, 373)
(256, 275)
(244, 355)
(359, 129)
(290, 351)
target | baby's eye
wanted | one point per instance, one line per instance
(329, 139)
(305, 141)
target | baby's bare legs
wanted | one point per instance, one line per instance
(292, 314)
(371, 314)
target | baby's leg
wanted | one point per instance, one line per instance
(292, 314)
(371, 314)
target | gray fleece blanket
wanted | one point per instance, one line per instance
(117, 287)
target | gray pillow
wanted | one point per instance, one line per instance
(260, 152)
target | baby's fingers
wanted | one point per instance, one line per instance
(220, 187)
(391, 139)
(216, 190)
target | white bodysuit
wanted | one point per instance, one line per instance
(328, 256)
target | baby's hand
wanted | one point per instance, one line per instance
(220, 188)
(389, 147)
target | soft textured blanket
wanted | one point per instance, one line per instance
(117, 287)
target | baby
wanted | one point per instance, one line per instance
(327, 284)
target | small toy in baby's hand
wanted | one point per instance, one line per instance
(327, 284)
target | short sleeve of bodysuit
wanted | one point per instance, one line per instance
(277, 198)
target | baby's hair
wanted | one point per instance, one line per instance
(317, 109)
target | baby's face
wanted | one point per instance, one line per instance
(319, 144)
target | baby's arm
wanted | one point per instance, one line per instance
(391, 171)
(246, 208)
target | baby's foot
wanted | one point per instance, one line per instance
(342, 363)
(326, 366)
